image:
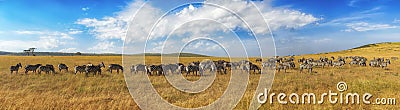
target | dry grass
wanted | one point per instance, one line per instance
(67, 91)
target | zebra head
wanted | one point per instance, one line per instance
(19, 65)
(102, 65)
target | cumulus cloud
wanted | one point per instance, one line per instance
(105, 47)
(364, 26)
(43, 40)
(192, 21)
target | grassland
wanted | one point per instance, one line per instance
(67, 91)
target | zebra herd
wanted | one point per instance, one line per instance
(219, 66)
(284, 63)
(48, 68)
(196, 67)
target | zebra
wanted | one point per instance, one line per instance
(96, 69)
(173, 68)
(62, 66)
(254, 68)
(155, 68)
(235, 65)
(354, 62)
(207, 64)
(32, 68)
(282, 66)
(384, 65)
(338, 63)
(117, 67)
(139, 67)
(80, 69)
(374, 63)
(192, 68)
(47, 69)
(15, 68)
(221, 68)
(306, 66)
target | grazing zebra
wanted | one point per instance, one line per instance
(95, 69)
(254, 68)
(15, 68)
(155, 69)
(32, 68)
(47, 69)
(80, 69)
(117, 67)
(306, 66)
(62, 67)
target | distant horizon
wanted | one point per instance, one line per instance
(187, 52)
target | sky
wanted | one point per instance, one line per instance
(292, 27)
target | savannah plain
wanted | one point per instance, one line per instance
(108, 91)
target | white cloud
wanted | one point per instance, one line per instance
(30, 32)
(190, 22)
(43, 40)
(105, 47)
(115, 27)
(74, 31)
(364, 26)
(85, 8)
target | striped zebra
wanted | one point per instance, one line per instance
(157, 69)
(95, 69)
(32, 68)
(254, 68)
(15, 68)
(62, 67)
(116, 67)
(139, 67)
(80, 69)
(47, 69)
(173, 68)
(306, 66)
(192, 68)
(207, 65)
(221, 68)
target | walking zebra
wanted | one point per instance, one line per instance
(80, 69)
(32, 68)
(139, 67)
(15, 68)
(117, 67)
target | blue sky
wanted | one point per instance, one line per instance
(99, 26)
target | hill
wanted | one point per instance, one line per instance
(384, 49)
